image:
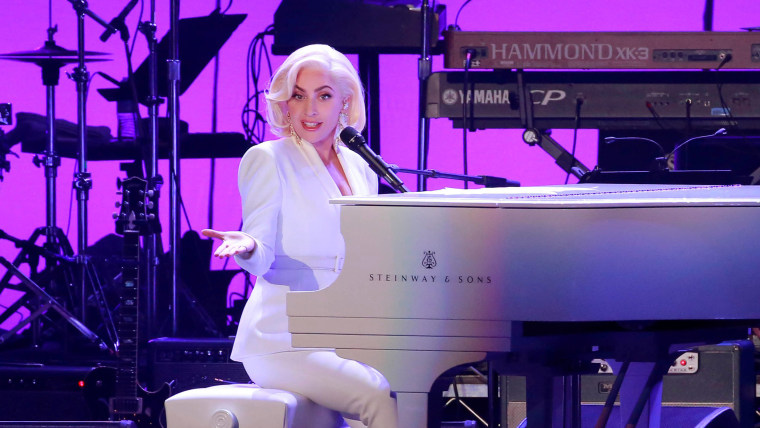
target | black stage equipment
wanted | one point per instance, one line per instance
(36, 392)
(193, 363)
(56, 250)
(701, 385)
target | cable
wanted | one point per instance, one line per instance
(719, 85)
(456, 19)
(578, 105)
(71, 198)
(133, 90)
(255, 128)
(229, 5)
(184, 209)
(466, 100)
(655, 115)
(137, 27)
(688, 104)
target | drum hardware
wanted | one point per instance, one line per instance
(60, 263)
(6, 118)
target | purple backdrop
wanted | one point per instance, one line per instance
(23, 24)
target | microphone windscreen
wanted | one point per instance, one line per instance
(349, 137)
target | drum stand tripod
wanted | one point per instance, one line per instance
(56, 251)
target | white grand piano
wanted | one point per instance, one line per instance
(433, 280)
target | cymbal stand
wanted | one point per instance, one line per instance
(6, 118)
(37, 300)
(82, 179)
(55, 239)
(43, 301)
(56, 246)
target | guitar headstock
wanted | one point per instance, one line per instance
(137, 209)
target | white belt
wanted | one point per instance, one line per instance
(334, 263)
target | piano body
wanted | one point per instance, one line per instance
(433, 280)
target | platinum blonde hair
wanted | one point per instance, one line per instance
(325, 57)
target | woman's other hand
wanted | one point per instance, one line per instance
(233, 242)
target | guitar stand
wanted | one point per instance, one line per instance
(38, 300)
(43, 301)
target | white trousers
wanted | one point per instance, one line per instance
(351, 388)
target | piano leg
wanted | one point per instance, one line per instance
(411, 375)
(552, 400)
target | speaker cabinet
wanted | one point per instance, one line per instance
(193, 363)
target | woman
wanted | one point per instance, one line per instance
(291, 235)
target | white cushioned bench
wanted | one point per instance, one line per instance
(246, 406)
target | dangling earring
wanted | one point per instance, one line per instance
(342, 122)
(293, 131)
(343, 117)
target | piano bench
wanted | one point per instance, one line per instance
(246, 406)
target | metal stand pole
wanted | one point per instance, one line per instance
(50, 160)
(369, 66)
(424, 70)
(707, 17)
(82, 179)
(155, 181)
(174, 188)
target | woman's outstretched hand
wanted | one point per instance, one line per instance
(233, 243)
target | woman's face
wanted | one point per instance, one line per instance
(315, 106)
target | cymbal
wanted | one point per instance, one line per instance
(51, 53)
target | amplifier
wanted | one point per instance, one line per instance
(192, 363)
(35, 392)
(723, 376)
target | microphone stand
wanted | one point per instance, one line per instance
(542, 138)
(155, 181)
(485, 180)
(707, 17)
(424, 67)
(174, 174)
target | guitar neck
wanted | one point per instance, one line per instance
(127, 327)
(138, 217)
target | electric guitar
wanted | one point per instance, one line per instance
(137, 217)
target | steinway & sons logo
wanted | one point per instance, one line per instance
(429, 262)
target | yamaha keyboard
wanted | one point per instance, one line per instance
(603, 50)
(643, 100)
(434, 280)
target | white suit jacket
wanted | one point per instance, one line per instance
(285, 190)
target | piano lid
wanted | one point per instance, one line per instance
(571, 196)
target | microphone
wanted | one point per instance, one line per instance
(117, 24)
(354, 140)
(609, 140)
